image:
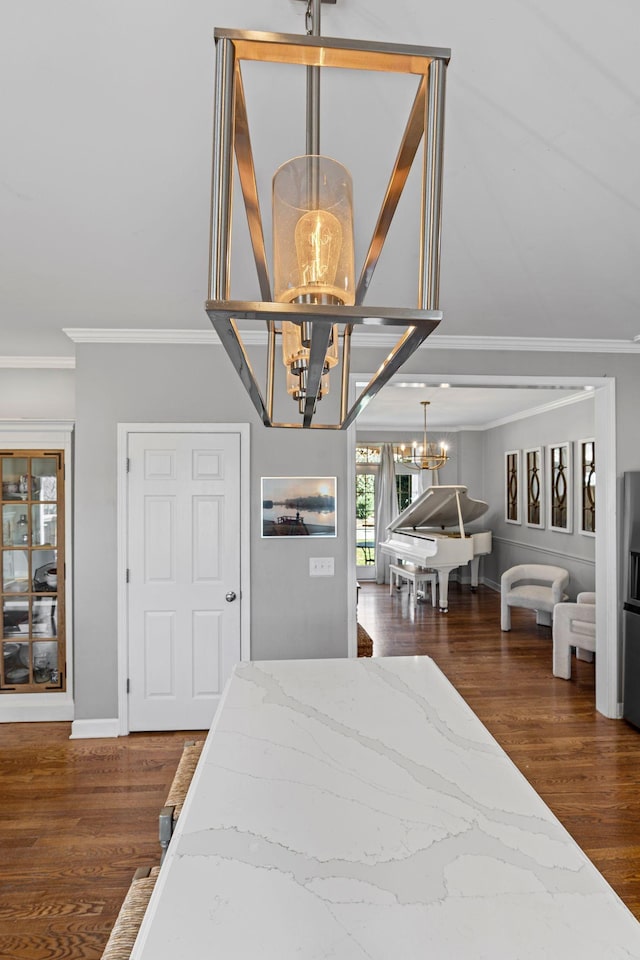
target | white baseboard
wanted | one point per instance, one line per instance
(94, 729)
(35, 708)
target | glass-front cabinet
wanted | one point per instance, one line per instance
(32, 594)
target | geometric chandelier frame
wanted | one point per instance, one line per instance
(231, 137)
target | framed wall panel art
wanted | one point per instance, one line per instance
(587, 489)
(533, 462)
(298, 507)
(559, 500)
(512, 486)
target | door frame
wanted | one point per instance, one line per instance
(608, 619)
(124, 430)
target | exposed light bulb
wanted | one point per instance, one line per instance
(318, 239)
(313, 256)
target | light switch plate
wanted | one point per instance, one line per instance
(321, 566)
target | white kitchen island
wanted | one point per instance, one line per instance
(359, 810)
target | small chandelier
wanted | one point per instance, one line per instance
(315, 303)
(431, 456)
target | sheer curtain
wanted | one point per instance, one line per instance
(386, 507)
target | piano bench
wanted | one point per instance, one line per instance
(416, 577)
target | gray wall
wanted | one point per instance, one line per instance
(37, 394)
(518, 543)
(292, 615)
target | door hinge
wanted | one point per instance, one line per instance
(127, 575)
(128, 685)
(128, 464)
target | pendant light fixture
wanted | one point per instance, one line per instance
(431, 456)
(314, 303)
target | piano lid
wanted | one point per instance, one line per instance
(437, 507)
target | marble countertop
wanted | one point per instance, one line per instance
(359, 810)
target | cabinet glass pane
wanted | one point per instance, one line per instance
(44, 622)
(15, 480)
(15, 617)
(44, 478)
(15, 524)
(15, 571)
(44, 519)
(45, 662)
(45, 574)
(16, 662)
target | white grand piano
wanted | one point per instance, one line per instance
(430, 533)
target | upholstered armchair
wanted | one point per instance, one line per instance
(535, 586)
(574, 625)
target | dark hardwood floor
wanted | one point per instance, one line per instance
(78, 816)
(584, 766)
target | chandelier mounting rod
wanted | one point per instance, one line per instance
(313, 84)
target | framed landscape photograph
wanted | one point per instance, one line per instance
(298, 507)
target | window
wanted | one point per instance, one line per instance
(404, 483)
(365, 519)
(367, 463)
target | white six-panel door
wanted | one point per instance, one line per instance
(183, 560)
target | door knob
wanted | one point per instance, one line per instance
(230, 597)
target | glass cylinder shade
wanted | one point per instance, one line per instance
(313, 232)
(295, 347)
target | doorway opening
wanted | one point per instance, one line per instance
(608, 658)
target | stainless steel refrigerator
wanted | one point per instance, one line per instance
(631, 606)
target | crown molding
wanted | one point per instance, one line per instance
(496, 344)
(360, 339)
(37, 363)
(528, 344)
(142, 335)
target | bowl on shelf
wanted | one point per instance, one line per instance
(17, 675)
(51, 577)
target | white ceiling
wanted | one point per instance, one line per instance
(105, 164)
(398, 406)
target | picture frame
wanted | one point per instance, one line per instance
(559, 486)
(512, 497)
(298, 507)
(586, 487)
(534, 486)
